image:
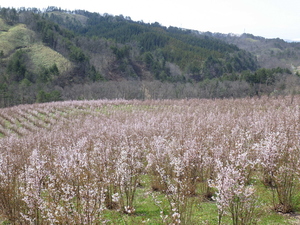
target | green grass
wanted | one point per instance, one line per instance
(20, 37)
(107, 110)
(252, 40)
(43, 56)
(17, 36)
(205, 212)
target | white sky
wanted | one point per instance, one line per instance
(266, 18)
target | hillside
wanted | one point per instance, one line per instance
(270, 53)
(18, 38)
(56, 55)
(138, 46)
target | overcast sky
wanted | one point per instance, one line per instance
(266, 18)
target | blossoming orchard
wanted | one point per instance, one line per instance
(233, 161)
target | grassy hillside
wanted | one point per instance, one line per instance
(43, 56)
(15, 37)
(20, 38)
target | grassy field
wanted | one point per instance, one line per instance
(43, 56)
(151, 162)
(13, 38)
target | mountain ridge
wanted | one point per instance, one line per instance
(54, 50)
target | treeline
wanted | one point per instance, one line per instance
(10, 16)
(278, 82)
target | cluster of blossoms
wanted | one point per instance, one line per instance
(68, 162)
(234, 196)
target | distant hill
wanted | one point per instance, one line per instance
(58, 55)
(270, 53)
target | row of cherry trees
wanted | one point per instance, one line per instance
(69, 162)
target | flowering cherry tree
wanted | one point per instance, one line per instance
(78, 162)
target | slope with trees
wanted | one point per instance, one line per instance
(45, 54)
(270, 53)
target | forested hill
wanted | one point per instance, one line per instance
(58, 55)
(270, 53)
(136, 46)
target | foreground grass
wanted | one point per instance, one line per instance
(205, 212)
